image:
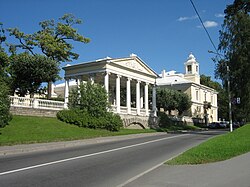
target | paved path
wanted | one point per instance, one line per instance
(234, 172)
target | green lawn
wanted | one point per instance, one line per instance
(217, 149)
(23, 129)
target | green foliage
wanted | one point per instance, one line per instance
(92, 99)
(172, 99)
(53, 38)
(235, 45)
(109, 121)
(217, 149)
(169, 124)
(88, 108)
(28, 72)
(5, 115)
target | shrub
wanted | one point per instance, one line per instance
(114, 122)
(109, 121)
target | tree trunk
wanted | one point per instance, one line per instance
(49, 90)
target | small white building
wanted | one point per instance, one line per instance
(190, 83)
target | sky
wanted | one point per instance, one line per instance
(161, 32)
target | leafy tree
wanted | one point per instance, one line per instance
(92, 99)
(28, 72)
(3, 56)
(4, 90)
(235, 46)
(172, 99)
(4, 103)
(184, 102)
(54, 40)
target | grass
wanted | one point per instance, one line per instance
(24, 130)
(219, 148)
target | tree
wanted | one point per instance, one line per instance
(235, 46)
(4, 89)
(54, 39)
(172, 100)
(184, 102)
(28, 72)
(92, 98)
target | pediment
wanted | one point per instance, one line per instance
(135, 64)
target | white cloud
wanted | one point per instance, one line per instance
(220, 15)
(209, 24)
(187, 18)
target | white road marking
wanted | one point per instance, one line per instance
(88, 155)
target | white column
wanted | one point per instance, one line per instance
(146, 98)
(128, 96)
(78, 83)
(118, 102)
(138, 105)
(66, 93)
(106, 82)
(141, 97)
(154, 101)
(91, 78)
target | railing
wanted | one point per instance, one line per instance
(124, 110)
(36, 103)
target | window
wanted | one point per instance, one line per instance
(189, 69)
(197, 95)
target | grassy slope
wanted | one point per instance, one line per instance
(23, 129)
(216, 149)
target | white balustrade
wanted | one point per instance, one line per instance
(36, 103)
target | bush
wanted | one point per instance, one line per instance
(5, 115)
(109, 121)
(165, 121)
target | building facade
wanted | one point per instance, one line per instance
(189, 83)
(127, 81)
(131, 87)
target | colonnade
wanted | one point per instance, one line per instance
(139, 93)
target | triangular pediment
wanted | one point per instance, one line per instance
(135, 64)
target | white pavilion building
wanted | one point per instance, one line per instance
(190, 83)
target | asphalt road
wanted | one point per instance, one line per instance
(104, 164)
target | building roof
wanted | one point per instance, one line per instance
(171, 80)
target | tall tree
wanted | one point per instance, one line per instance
(54, 39)
(4, 89)
(235, 46)
(28, 72)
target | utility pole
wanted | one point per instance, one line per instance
(229, 100)
(229, 92)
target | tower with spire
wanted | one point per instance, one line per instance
(192, 69)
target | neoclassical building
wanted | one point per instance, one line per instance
(131, 87)
(127, 81)
(189, 83)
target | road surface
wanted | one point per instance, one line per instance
(103, 164)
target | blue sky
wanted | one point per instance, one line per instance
(160, 32)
